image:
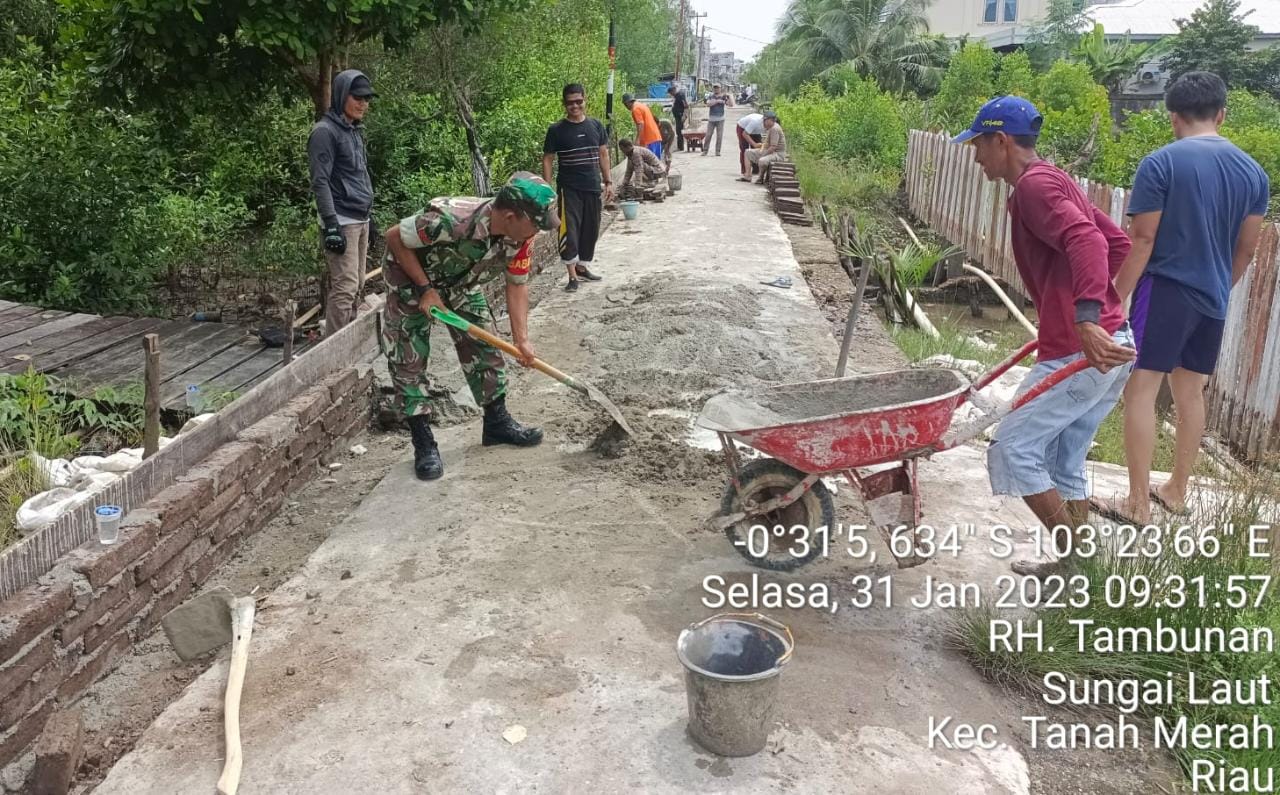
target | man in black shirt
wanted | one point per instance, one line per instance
(582, 147)
(678, 109)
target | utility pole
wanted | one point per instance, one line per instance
(613, 63)
(697, 69)
(679, 39)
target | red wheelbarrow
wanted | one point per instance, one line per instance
(833, 428)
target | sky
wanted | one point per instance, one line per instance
(744, 19)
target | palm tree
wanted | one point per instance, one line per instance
(886, 40)
(1112, 61)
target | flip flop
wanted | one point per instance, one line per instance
(782, 281)
(1108, 511)
(1158, 500)
(744, 179)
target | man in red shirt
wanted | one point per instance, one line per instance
(1067, 252)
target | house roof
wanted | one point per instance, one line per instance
(1157, 18)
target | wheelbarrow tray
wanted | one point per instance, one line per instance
(842, 423)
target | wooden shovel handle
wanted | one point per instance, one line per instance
(242, 630)
(512, 350)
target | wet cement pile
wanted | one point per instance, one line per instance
(766, 408)
(663, 343)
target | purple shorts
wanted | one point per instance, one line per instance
(1176, 334)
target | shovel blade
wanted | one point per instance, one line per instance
(607, 404)
(200, 625)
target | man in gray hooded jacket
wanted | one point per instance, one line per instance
(344, 193)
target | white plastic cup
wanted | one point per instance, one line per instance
(108, 517)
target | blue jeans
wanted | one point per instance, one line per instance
(1044, 444)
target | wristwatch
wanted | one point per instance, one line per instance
(420, 290)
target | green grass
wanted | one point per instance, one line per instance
(952, 339)
(846, 184)
(1245, 501)
(37, 415)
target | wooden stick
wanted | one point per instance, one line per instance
(310, 313)
(851, 321)
(290, 309)
(151, 398)
(910, 231)
(242, 630)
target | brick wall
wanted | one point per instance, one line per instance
(61, 634)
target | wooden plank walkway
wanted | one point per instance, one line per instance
(88, 352)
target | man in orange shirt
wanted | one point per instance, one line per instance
(647, 134)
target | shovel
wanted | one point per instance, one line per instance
(202, 625)
(461, 324)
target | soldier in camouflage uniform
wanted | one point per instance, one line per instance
(441, 257)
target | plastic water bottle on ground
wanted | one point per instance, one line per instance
(195, 400)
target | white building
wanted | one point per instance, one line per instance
(1000, 23)
(725, 69)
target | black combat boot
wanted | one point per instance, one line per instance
(500, 428)
(426, 455)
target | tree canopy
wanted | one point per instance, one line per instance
(1216, 39)
(155, 44)
(885, 40)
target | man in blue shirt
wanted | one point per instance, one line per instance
(1197, 207)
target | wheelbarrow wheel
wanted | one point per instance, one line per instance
(784, 539)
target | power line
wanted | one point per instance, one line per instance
(736, 36)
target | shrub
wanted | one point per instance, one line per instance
(1016, 75)
(1143, 133)
(1253, 124)
(1077, 116)
(967, 85)
(864, 124)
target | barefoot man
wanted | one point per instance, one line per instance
(1197, 207)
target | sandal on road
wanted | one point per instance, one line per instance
(1181, 510)
(1109, 509)
(744, 179)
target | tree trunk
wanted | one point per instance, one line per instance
(480, 177)
(318, 79)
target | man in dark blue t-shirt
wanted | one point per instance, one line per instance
(1197, 207)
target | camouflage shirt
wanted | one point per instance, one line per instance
(452, 242)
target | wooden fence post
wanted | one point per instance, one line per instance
(290, 309)
(151, 398)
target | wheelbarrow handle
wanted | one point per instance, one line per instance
(960, 434)
(1004, 366)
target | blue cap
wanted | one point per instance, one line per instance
(1009, 115)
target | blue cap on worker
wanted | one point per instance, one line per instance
(1009, 115)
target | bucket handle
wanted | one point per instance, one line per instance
(763, 619)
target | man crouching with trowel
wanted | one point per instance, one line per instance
(1067, 252)
(440, 258)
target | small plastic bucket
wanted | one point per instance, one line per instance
(108, 518)
(732, 662)
(674, 181)
(630, 209)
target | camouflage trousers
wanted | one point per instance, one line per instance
(406, 334)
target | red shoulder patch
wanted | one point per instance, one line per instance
(522, 263)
